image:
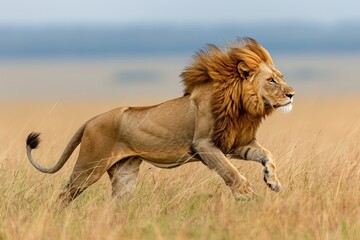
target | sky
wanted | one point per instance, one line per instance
(123, 12)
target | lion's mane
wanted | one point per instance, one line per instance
(237, 108)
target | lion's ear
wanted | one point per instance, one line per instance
(244, 71)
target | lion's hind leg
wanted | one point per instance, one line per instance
(123, 176)
(83, 176)
(93, 161)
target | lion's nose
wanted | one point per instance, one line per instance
(290, 95)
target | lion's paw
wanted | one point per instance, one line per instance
(243, 195)
(274, 185)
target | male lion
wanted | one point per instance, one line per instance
(228, 92)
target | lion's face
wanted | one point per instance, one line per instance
(272, 88)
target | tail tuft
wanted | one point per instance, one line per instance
(33, 140)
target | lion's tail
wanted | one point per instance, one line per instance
(33, 141)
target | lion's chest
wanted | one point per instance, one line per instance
(246, 133)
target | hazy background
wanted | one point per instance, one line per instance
(66, 50)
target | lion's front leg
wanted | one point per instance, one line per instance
(255, 152)
(216, 160)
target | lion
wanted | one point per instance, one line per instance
(227, 94)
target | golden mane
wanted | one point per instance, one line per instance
(236, 117)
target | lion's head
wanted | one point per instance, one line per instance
(246, 87)
(259, 76)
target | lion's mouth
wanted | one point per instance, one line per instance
(285, 107)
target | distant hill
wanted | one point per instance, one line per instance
(87, 41)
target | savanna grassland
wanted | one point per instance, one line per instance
(316, 147)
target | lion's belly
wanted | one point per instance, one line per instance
(168, 165)
(169, 160)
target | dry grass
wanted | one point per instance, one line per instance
(317, 148)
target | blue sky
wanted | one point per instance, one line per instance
(45, 12)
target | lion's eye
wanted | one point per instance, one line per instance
(272, 80)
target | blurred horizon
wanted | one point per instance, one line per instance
(166, 39)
